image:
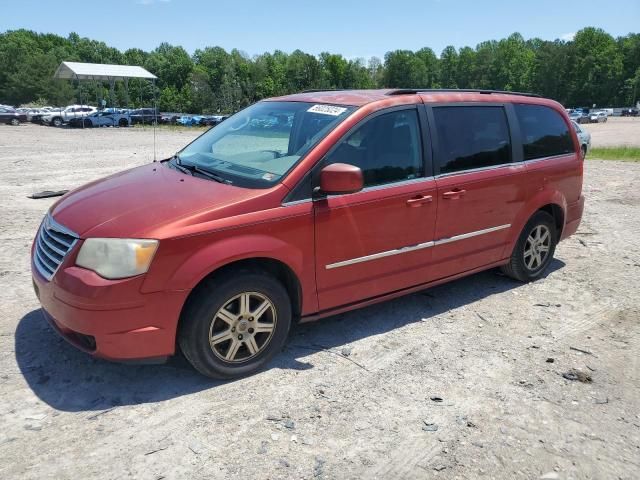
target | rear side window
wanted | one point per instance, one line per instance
(471, 137)
(544, 132)
(387, 148)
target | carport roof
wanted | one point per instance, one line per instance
(100, 71)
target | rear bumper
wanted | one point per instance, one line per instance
(574, 216)
(110, 319)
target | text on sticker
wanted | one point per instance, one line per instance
(327, 110)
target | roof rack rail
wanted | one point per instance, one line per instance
(316, 90)
(409, 91)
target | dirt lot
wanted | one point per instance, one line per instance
(356, 396)
(617, 131)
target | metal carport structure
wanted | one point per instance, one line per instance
(102, 72)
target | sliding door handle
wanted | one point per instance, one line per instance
(454, 194)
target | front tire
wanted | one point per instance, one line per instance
(57, 122)
(534, 250)
(15, 122)
(583, 151)
(231, 327)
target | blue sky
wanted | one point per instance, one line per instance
(353, 28)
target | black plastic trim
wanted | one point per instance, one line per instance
(410, 91)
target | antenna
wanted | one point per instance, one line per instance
(155, 118)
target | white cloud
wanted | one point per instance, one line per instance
(567, 37)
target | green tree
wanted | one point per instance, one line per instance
(449, 67)
(403, 69)
(597, 68)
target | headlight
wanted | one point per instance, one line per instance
(114, 258)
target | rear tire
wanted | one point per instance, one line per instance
(123, 123)
(232, 326)
(534, 249)
(15, 122)
(56, 122)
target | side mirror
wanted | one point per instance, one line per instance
(340, 178)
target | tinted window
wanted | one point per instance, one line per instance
(387, 148)
(471, 137)
(544, 132)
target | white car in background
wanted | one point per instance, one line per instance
(584, 137)
(598, 117)
(59, 117)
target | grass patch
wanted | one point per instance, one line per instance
(626, 154)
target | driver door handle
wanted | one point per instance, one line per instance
(419, 200)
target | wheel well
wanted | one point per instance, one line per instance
(558, 215)
(273, 267)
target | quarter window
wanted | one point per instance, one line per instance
(471, 137)
(544, 132)
(387, 148)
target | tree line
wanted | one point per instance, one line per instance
(593, 68)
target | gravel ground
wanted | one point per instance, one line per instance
(459, 381)
(617, 131)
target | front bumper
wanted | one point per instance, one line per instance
(109, 319)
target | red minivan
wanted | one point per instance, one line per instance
(301, 207)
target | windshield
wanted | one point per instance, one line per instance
(260, 144)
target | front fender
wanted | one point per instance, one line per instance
(232, 249)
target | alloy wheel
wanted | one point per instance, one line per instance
(242, 327)
(536, 248)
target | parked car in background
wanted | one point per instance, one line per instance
(58, 118)
(144, 116)
(36, 115)
(102, 119)
(169, 118)
(579, 116)
(364, 196)
(31, 112)
(598, 117)
(10, 116)
(213, 120)
(189, 120)
(584, 137)
(630, 112)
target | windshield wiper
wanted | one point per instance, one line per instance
(191, 168)
(208, 174)
(178, 165)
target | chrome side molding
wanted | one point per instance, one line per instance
(411, 248)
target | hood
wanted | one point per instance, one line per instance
(133, 203)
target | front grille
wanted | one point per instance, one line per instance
(52, 244)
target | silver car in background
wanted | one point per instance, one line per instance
(584, 137)
(598, 117)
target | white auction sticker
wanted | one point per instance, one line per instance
(327, 110)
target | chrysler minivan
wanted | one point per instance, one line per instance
(301, 207)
